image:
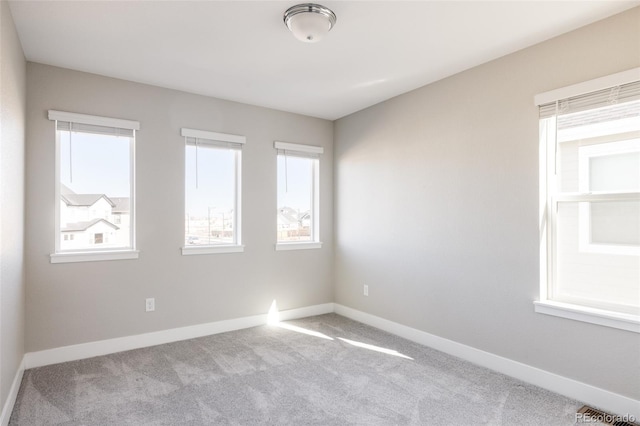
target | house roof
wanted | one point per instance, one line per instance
(84, 200)
(122, 204)
(83, 226)
(288, 215)
(81, 200)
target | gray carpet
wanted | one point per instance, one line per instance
(342, 373)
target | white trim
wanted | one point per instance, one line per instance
(7, 409)
(594, 85)
(589, 394)
(56, 192)
(315, 208)
(603, 317)
(287, 146)
(109, 346)
(133, 197)
(214, 136)
(298, 246)
(546, 158)
(93, 120)
(222, 248)
(237, 198)
(307, 311)
(93, 256)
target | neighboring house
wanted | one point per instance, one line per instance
(83, 207)
(120, 211)
(93, 232)
(293, 224)
(93, 220)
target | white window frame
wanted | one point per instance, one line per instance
(312, 152)
(93, 255)
(214, 139)
(548, 203)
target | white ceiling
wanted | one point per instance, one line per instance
(242, 51)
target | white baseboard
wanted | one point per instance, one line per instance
(308, 311)
(600, 398)
(109, 346)
(7, 409)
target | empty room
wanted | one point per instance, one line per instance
(347, 212)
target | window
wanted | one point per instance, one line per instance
(95, 170)
(212, 192)
(298, 196)
(590, 194)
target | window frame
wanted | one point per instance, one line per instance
(215, 138)
(99, 254)
(548, 202)
(313, 153)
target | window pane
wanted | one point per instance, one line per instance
(210, 189)
(616, 172)
(599, 279)
(295, 198)
(95, 191)
(615, 222)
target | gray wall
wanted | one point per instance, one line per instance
(437, 208)
(82, 302)
(12, 121)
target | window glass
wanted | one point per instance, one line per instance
(95, 191)
(210, 191)
(295, 198)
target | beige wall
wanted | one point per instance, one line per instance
(436, 208)
(82, 302)
(12, 283)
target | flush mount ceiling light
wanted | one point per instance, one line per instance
(309, 22)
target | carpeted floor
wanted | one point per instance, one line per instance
(324, 370)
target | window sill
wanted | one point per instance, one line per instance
(602, 317)
(195, 250)
(98, 256)
(298, 245)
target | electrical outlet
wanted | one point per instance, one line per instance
(366, 290)
(150, 304)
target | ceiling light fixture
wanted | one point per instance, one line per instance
(309, 22)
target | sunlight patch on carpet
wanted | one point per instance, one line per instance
(375, 348)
